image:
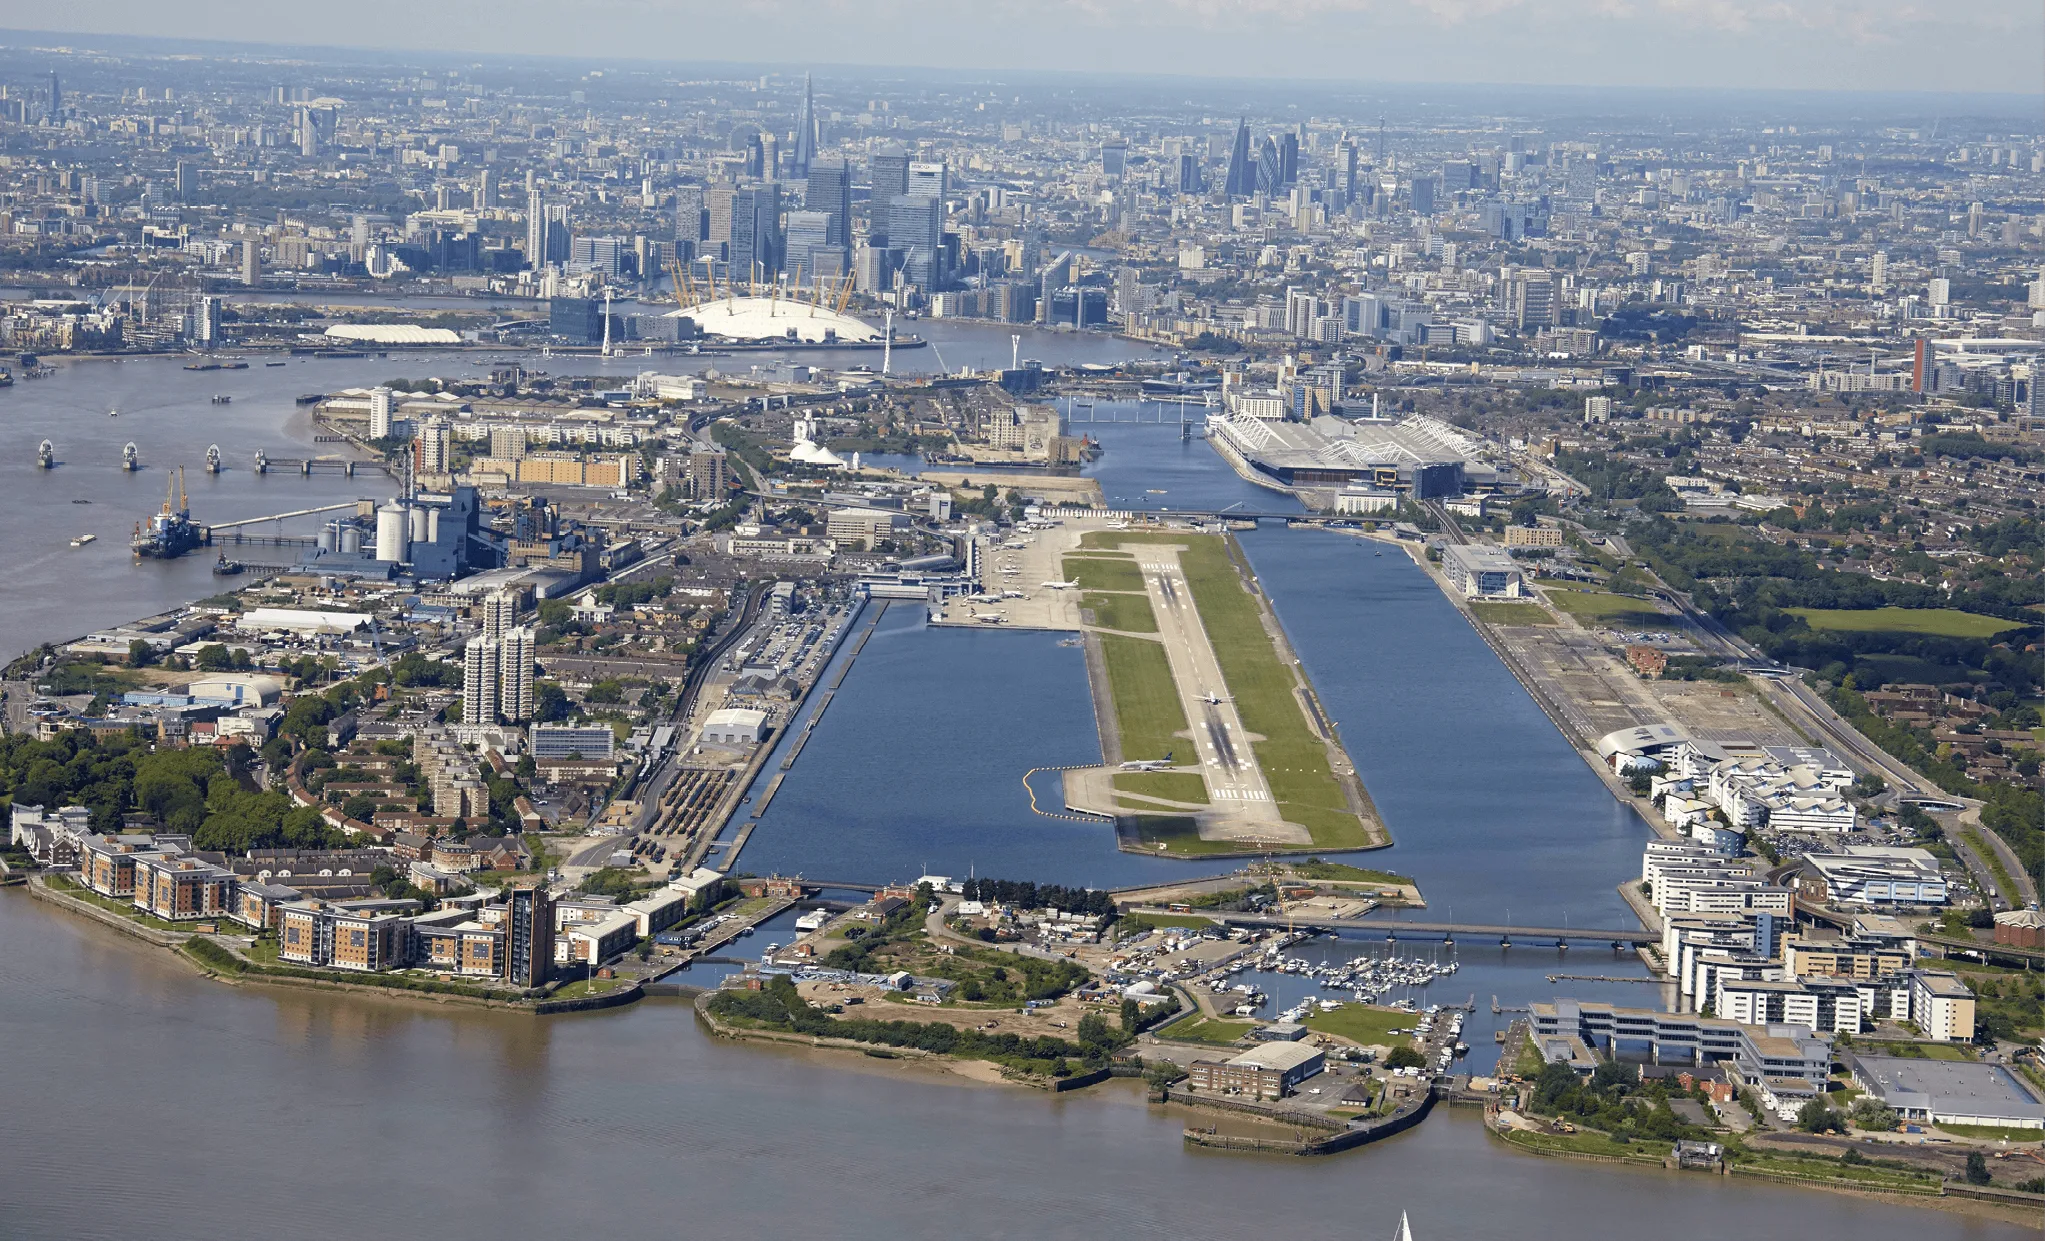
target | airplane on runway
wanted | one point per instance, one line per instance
(1214, 700)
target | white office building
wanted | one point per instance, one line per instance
(1482, 572)
(1878, 875)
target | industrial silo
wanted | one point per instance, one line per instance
(393, 533)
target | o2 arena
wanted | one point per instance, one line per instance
(767, 319)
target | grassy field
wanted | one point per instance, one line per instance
(1925, 1051)
(1184, 786)
(1992, 1133)
(1147, 710)
(1364, 1024)
(1937, 622)
(1510, 612)
(1590, 604)
(1193, 1028)
(1094, 573)
(590, 986)
(1145, 922)
(1128, 613)
(1179, 835)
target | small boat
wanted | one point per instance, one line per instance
(81, 501)
(276, 364)
(310, 398)
(113, 413)
(224, 567)
(221, 400)
(83, 539)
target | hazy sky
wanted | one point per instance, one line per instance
(1882, 45)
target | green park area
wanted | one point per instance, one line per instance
(1933, 622)
(1602, 607)
(1132, 924)
(1294, 760)
(1180, 786)
(1099, 573)
(1127, 613)
(1494, 612)
(1194, 1028)
(582, 988)
(1363, 1024)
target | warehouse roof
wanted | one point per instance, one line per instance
(1281, 1056)
(1978, 1093)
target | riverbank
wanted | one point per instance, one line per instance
(977, 1069)
(1873, 1184)
(222, 962)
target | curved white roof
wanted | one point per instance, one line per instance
(394, 334)
(774, 318)
(815, 454)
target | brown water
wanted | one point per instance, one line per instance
(144, 1101)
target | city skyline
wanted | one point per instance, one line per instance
(1883, 45)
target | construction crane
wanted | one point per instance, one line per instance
(685, 291)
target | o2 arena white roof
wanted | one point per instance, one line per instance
(774, 318)
(394, 334)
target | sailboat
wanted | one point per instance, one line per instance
(1405, 1229)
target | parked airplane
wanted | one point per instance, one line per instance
(989, 618)
(1059, 585)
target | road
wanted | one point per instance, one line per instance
(15, 699)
